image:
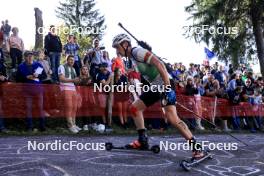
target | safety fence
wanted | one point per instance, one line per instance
(23, 100)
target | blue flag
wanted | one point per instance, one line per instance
(209, 54)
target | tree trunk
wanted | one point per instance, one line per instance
(39, 25)
(256, 17)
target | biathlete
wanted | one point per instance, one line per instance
(154, 71)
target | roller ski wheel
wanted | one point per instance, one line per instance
(155, 149)
(188, 164)
(109, 146)
(185, 165)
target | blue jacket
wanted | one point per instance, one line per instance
(24, 70)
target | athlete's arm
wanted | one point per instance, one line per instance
(146, 56)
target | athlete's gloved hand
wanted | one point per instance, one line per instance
(170, 96)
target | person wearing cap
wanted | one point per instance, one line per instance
(32, 73)
(53, 49)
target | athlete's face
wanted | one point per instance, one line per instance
(121, 48)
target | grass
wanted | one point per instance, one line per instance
(117, 131)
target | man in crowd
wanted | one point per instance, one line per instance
(32, 72)
(95, 55)
(3, 78)
(53, 49)
(6, 30)
(71, 48)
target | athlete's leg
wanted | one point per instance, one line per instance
(168, 102)
(171, 115)
(136, 110)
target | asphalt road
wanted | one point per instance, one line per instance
(17, 159)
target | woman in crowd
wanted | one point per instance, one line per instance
(68, 79)
(121, 98)
(46, 65)
(197, 98)
(86, 99)
(15, 46)
(107, 60)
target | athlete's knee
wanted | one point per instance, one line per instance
(134, 110)
(181, 124)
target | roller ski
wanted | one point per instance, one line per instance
(141, 145)
(197, 158)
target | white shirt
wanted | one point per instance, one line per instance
(66, 86)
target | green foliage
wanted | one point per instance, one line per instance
(237, 47)
(82, 14)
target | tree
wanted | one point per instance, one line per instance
(38, 24)
(246, 16)
(82, 15)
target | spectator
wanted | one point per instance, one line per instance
(87, 98)
(32, 72)
(198, 103)
(118, 63)
(192, 70)
(1, 45)
(121, 98)
(103, 78)
(230, 70)
(257, 101)
(233, 82)
(211, 87)
(220, 76)
(190, 90)
(46, 65)
(6, 30)
(53, 49)
(71, 48)
(68, 78)
(3, 78)
(15, 46)
(95, 55)
(235, 97)
(106, 59)
(248, 96)
(2, 26)
(248, 90)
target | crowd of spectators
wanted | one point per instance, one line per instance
(45, 67)
(219, 81)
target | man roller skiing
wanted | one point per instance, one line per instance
(154, 71)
